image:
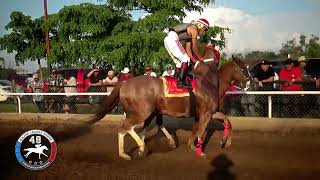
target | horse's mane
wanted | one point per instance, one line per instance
(239, 62)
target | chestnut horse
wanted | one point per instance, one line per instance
(142, 98)
(234, 70)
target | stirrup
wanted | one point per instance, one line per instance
(183, 85)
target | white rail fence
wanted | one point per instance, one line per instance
(269, 94)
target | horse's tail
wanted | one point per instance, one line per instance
(106, 106)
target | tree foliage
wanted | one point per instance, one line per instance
(26, 39)
(301, 47)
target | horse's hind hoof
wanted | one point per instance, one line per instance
(173, 145)
(125, 156)
(225, 142)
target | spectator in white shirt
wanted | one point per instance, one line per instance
(149, 72)
(70, 84)
(110, 81)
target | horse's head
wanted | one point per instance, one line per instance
(235, 70)
(241, 73)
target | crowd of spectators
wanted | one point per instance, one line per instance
(65, 82)
(291, 76)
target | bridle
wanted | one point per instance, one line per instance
(244, 73)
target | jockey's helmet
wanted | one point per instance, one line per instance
(200, 23)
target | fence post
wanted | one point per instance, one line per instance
(19, 104)
(269, 106)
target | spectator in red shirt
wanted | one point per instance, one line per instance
(290, 75)
(125, 74)
(232, 102)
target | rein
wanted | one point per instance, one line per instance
(206, 60)
(241, 70)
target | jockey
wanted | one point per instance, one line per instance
(188, 32)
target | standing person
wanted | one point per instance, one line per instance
(55, 85)
(148, 71)
(169, 72)
(70, 84)
(308, 81)
(264, 77)
(36, 86)
(290, 75)
(188, 32)
(95, 84)
(125, 74)
(232, 102)
(110, 81)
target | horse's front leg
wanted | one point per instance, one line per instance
(204, 119)
(195, 128)
(227, 132)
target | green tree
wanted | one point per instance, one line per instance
(26, 38)
(3, 63)
(306, 48)
(312, 49)
(260, 55)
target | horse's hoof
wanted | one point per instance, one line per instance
(125, 156)
(203, 155)
(192, 148)
(172, 145)
(141, 151)
(225, 142)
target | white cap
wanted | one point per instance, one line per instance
(126, 70)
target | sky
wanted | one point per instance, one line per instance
(255, 24)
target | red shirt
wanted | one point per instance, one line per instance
(124, 77)
(286, 75)
(233, 88)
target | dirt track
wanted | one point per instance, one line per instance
(261, 149)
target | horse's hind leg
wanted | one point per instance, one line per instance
(159, 122)
(145, 125)
(128, 127)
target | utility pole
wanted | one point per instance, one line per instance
(47, 37)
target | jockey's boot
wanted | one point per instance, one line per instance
(182, 83)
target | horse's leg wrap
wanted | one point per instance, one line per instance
(136, 137)
(121, 146)
(199, 144)
(227, 128)
(171, 141)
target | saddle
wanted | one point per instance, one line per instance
(171, 90)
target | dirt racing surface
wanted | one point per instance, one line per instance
(261, 149)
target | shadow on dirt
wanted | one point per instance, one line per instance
(222, 165)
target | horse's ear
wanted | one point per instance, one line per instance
(238, 61)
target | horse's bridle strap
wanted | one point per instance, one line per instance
(241, 71)
(206, 60)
